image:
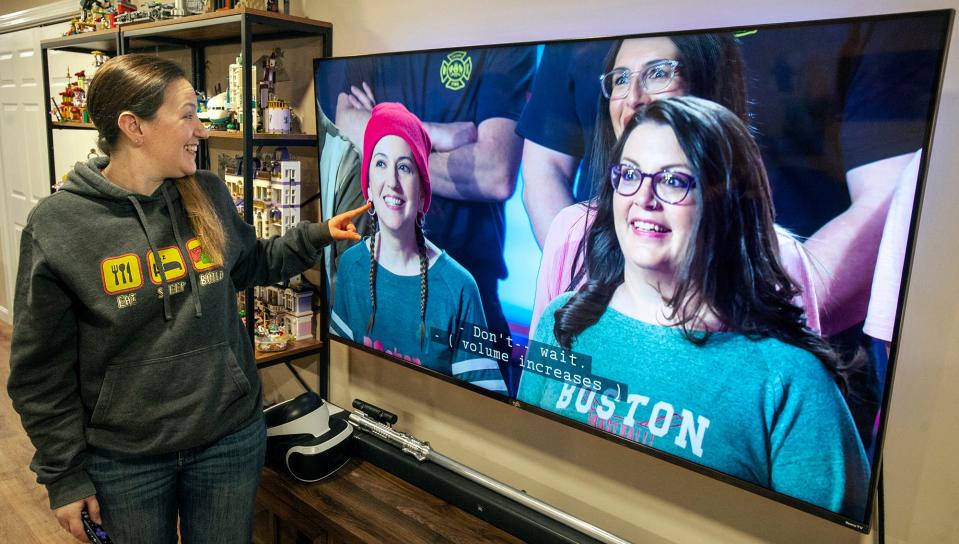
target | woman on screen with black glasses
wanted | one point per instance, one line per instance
(833, 267)
(684, 336)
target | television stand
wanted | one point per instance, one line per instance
(361, 503)
(384, 495)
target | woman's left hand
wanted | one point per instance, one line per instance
(342, 227)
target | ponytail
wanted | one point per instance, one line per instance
(203, 218)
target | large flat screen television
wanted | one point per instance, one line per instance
(695, 244)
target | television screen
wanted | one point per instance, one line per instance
(695, 244)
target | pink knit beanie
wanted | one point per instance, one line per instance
(392, 118)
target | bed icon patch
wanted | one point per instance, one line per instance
(174, 267)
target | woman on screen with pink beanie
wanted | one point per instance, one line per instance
(396, 292)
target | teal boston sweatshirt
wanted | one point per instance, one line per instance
(126, 337)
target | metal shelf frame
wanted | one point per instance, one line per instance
(107, 41)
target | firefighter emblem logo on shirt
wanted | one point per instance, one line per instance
(455, 70)
(173, 265)
(121, 274)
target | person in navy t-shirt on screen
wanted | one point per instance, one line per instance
(397, 292)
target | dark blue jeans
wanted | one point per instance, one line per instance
(211, 488)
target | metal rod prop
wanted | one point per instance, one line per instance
(422, 451)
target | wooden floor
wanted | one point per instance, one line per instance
(25, 514)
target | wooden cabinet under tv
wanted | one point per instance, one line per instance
(361, 503)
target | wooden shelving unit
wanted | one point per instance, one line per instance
(100, 40)
(223, 26)
(267, 138)
(73, 124)
(300, 348)
(107, 41)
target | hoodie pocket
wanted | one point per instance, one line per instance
(171, 400)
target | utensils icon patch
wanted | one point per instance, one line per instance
(121, 273)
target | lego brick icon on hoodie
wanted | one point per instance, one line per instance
(201, 261)
(174, 266)
(121, 274)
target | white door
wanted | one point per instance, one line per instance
(23, 153)
(24, 172)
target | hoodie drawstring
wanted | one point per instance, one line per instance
(167, 314)
(179, 242)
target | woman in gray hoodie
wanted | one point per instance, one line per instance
(130, 368)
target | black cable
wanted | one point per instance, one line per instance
(881, 510)
(298, 377)
(308, 200)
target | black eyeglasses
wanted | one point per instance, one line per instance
(655, 78)
(668, 186)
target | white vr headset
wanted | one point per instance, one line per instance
(303, 439)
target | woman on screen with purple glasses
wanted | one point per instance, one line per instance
(396, 292)
(685, 336)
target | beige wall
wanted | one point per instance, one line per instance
(11, 6)
(621, 490)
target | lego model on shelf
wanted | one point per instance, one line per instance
(66, 108)
(272, 338)
(216, 115)
(100, 15)
(277, 117)
(273, 118)
(122, 6)
(158, 11)
(94, 15)
(154, 11)
(73, 102)
(99, 57)
(276, 195)
(278, 311)
(285, 186)
(272, 73)
(183, 8)
(78, 27)
(235, 92)
(267, 5)
(290, 308)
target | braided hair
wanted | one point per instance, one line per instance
(373, 267)
(424, 274)
(424, 271)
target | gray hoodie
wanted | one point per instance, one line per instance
(113, 351)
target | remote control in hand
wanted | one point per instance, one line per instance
(95, 533)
